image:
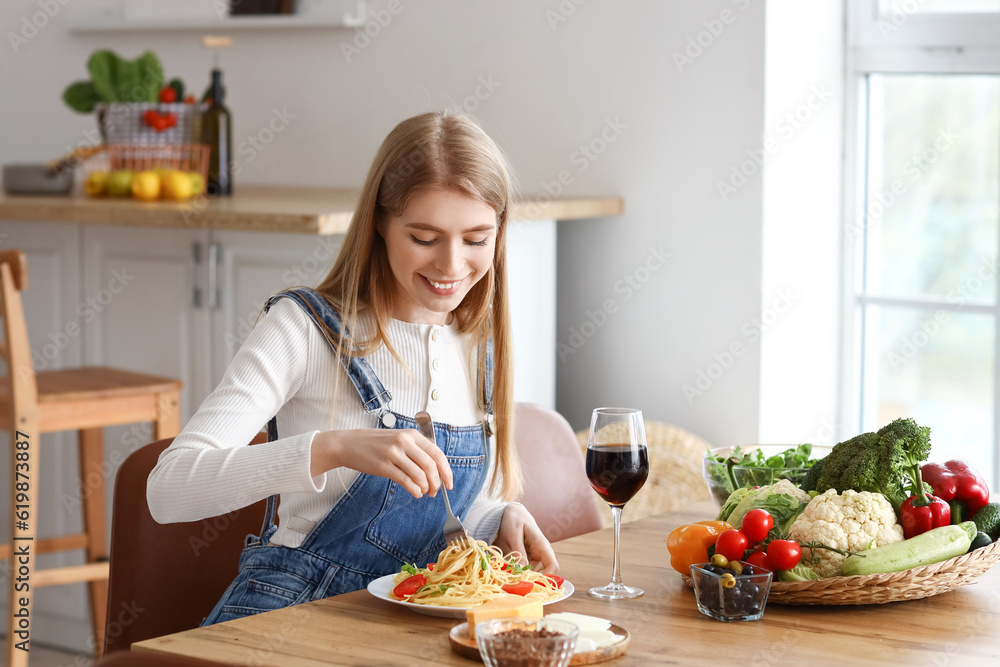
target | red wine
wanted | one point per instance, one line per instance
(617, 472)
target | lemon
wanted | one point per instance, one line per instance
(177, 185)
(119, 183)
(146, 186)
(96, 184)
(197, 183)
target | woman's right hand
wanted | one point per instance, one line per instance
(402, 455)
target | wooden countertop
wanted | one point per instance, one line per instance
(259, 208)
(955, 628)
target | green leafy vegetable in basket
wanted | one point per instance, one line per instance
(116, 80)
(754, 468)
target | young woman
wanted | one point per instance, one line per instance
(412, 317)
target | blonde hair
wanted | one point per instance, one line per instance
(445, 151)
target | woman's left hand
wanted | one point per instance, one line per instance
(520, 533)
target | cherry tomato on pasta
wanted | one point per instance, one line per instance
(520, 588)
(409, 586)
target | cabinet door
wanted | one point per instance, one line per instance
(143, 309)
(250, 267)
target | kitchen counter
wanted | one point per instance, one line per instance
(259, 208)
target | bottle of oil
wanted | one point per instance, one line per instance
(216, 131)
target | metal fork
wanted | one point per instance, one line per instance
(454, 532)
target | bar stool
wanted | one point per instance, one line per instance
(81, 399)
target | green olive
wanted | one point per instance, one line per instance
(736, 567)
(728, 580)
(720, 560)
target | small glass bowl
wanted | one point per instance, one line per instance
(743, 602)
(516, 643)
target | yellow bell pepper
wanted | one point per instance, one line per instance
(688, 544)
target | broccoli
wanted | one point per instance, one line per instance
(811, 479)
(881, 462)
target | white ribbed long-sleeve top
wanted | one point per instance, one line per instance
(286, 368)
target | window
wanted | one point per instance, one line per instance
(924, 222)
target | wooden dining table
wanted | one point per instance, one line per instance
(958, 628)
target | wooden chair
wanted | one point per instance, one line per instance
(556, 489)
(166, 578)
(675, 477)
(81, 399)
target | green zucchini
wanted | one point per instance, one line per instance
(935, 545)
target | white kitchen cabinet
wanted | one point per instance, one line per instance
(251, 266)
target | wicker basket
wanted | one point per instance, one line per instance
(138, 157)
(913, 584)
(123, 123)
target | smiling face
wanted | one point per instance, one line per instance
(438, 248)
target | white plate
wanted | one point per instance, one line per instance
(382, 586)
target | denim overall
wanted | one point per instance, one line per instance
(375, 526)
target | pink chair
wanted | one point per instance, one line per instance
(556, 489)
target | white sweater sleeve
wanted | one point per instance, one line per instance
(209, 470)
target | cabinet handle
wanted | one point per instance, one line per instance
(195, 282)
(214, 298)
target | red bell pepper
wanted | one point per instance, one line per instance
(922, 511)
(957, 480)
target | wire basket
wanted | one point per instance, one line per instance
(141, 157)
(912, 584)
(124, 124)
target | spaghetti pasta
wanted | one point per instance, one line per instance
(469, 575)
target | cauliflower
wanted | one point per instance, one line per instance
(847, 521)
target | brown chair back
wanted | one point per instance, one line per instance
(556, 489)
(166, 578)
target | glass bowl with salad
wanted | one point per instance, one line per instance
(756, 465)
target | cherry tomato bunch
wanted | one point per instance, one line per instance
(756, 524)
(159, 121)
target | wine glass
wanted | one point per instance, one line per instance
(617, 467)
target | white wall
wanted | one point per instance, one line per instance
(556, 85)
(611, 74)
(803, 229)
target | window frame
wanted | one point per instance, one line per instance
(932, 43)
